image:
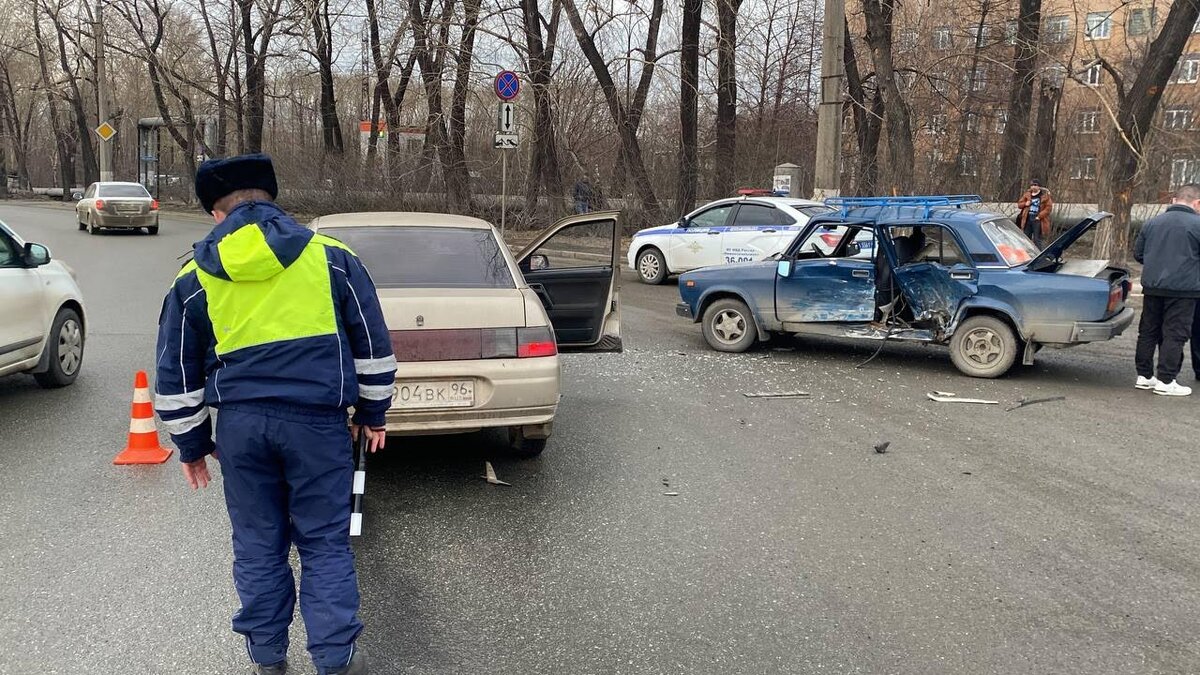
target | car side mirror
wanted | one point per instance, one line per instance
(538, 261)
(684, 222)
(853, 249)
(36, 255)
(77, 195)
(784, 268)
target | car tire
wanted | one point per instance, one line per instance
(729, 326)
(153, 229)
(65, 344)
(82, 225)
(984, 346)
(651, 266)
(522, 446)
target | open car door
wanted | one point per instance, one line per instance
(572, 266)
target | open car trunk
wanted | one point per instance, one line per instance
(1053, 260)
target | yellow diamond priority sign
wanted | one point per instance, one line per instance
(106, 131)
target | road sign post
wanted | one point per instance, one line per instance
(507, 85)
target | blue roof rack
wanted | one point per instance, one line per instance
(844, 204)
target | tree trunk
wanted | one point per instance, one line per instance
(954, 178)
(458, 179)
(255, 97)
(331, 127)
(1135, 112)
(1041, 165)
(878, 14)
(87, 156)
(544, 172)
(689, 83)
(66, 157)
(725, 162)
(1020, 102)
(868, 122)
(436, 136)
(631, 149)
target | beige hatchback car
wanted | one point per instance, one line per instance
(476, 330)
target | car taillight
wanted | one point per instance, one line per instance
(1116, 295)
(535, 341)
(498, 343)
(99, 203)
(153, 204)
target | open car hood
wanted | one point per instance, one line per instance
(1053, 253)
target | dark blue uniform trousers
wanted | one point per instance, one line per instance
(287, 475)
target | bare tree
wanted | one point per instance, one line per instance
(868, 120)
(725, 171)
(879, 15)
(1020, 99)
(544, 171)
(1136, 105)
(689, 85)
(256, 46)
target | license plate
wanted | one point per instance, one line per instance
(134, 210)
(434, 394)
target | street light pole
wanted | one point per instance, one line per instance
(106, 172)
(827, 173)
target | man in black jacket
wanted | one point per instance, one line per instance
(1169, 249)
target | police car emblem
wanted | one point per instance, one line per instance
(420, 321)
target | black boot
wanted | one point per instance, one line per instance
(357, 665)
(274, 669)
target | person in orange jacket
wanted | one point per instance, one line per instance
(1035, 206)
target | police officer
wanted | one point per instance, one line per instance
(280, 330)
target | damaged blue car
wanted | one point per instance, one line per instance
(940, 273)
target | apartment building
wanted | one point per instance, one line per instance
(954, 62)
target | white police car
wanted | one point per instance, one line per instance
(739, 229)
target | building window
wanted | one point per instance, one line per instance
(1084, 168)
(937, 124)
(941, 38)
(907, 40)
(1177, 119)
(966, 165)
(1091, 76)
(1188, 70)
(1184, 171)
(979, 35)
(1099, 26)
(1140, 21)
(980, 81)
(1001, 121)
(1010, 32)
(1058, 28)
(1089, 122)
(972, 121)
(937, 82)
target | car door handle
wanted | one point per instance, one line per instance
(962, 276)
(769, 231)
(861, 274)
(712, 232)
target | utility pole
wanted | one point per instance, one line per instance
(106, 172)
(827, 173)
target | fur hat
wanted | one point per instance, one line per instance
(219, 177)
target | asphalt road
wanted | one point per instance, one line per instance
(1058, 538)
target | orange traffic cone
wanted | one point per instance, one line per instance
(143, 445)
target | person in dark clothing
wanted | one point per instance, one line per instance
(1169, 248)
(1035, 206)
(1196, 343)
(583, 195)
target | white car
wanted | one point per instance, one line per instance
(476, 330)
(42, 332)
(740, 229)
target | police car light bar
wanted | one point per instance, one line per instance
(929, 202)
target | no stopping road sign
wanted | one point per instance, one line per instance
(508, 85)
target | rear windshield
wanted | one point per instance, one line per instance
(123, 191)
(428, 257)
(1010, 242)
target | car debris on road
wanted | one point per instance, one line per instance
(949, 397)
(1033, 401)
(490, 475)
(782, 394)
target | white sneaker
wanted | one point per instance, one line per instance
(1147, 382)
(1172, 389)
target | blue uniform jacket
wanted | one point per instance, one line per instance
(269, 313)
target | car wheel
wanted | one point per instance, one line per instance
(153, 229)
(651, 267)
(66, 351)
(522, 446)
(729, 326)
(983, 346)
